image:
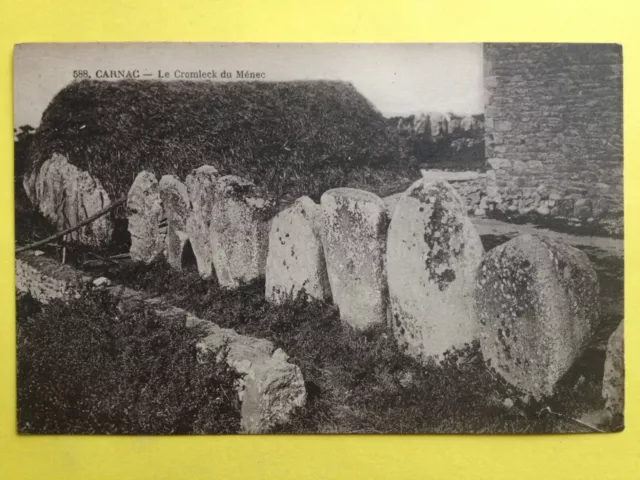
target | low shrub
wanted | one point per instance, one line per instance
(85, 368)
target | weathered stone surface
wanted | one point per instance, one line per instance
(537, 303)
(201, 187)
(66, 196)
(353, 236)
(46, 279)
(499, 163)
(177, 207)
(295, 261)
(559, 139)
(613, 380)
(240, 231)
(433, 252)
(271, 388)
(146, 218)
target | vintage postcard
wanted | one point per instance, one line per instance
(319, 238)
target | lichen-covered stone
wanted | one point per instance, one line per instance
(537, 303)
(66, 196)
(239, 231)
(433, 252)
(354, 224)
(177, 207)
(201, 187)
(613, 380)
(295, 261)
(146, 218)
(271, 388)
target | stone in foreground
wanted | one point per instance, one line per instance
(537, 303)
(66, 196)
(239, 231)
(271, 388)
(295, 261)
(146, 218)
(433, 253)
(354, 224)
(613, 381)
(177, 207)
(201, 185)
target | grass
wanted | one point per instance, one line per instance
(361, 381)
(83, 367)
(290, 138)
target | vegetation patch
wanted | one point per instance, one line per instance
(290, 138)
(83, 367)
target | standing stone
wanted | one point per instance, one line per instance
(438, 124)
(613, 381)
(295, 261)
(177, 207)
(240, 231)
(433, 252)
(146, 217)
(201, 187)
(66, 196)
(537, 302)
(353, 236)
(91, 199)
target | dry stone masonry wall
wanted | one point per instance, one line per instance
(553, 123)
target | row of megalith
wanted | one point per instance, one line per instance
(532, 303)
(221, 218)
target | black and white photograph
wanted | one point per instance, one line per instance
(262, 238)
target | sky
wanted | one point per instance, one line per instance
(399, 79)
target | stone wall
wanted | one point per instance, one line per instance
(553, 112)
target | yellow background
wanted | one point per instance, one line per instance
(613, 456)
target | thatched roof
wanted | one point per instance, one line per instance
(290, 138)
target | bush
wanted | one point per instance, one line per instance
(83, 367)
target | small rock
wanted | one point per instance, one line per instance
(543, 210)
(86, 279)
(406, 379)
(102, 281)
(555, 196)
(479, 212)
